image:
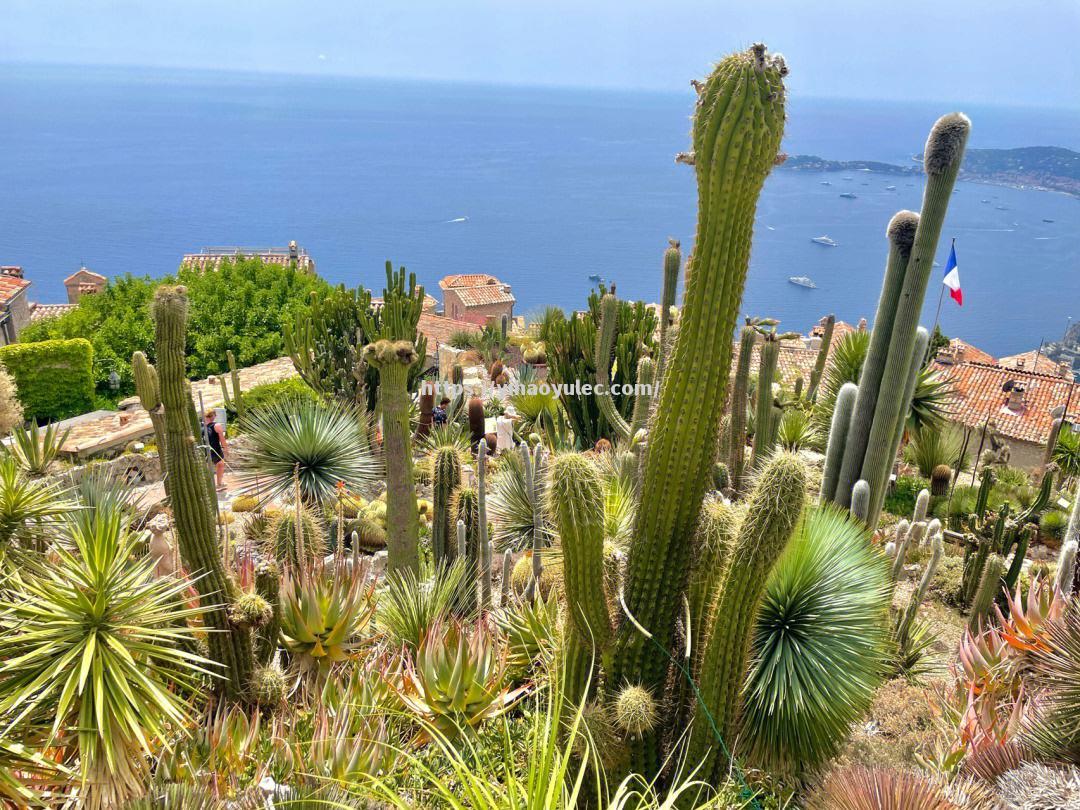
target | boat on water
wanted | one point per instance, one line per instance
(1001, 207)
(803, 281)
(847, 195)
(985, 202)
(595, 277)
(826, 183)
(890, 188)
(825, 240)
(1048, 220)
(849, 178)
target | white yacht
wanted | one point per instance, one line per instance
(825, 240)
(803, 281)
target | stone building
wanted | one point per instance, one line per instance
(14, 306)
(477, 298)
(83, 282)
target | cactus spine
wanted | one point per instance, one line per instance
(773, 510)
(605, 344)
(901, 236)
(838, 431)
(860, 500)
(822, 357)
(765, 421)
(445, 478)
(576, 505)
(739, 396)
(943, 154)
(736, 134)
(193, 511)
(989, 587)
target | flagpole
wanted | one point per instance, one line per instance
(940, 298)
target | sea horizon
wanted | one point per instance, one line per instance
(127, 169)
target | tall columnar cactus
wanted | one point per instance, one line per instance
(901, 236)
(942, 158)
(860, 500)
(982, 498)
(772, 512)
(987, 591)
(822, 357)
(446, 476)
(605, 344)
(765, 416)
(233, 400)
(534, 483)
(507, 573)
(1023, 540)
(736, 134)
(483, 558)
(576, 505)
(148, 388)
(476, 420)
(427, 410)
(193, 511)
(268, 586)
(922, 505)
(1072, 536)
(672, 263)
(647, 379)
(903, 627)
(467, 517)
(739, 401)
(1066, 568)
(838, 430)
(1058, 415)
(974, 564)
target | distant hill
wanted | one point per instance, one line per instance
(1046, 167)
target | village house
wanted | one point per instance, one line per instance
(83, 281)
(210, 258)
(14, 306)
(477, 297)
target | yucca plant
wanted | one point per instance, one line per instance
(322, 445)
(326, 608)
(1066, 452)
(35, 449)
(796, 430)
(26, 506)
(822, 621)
(510, 505)
(846, 364)
(930, 400)
(1052, 730)
(25, 773)
(410, 606)
(931, 446)
(859, 788)
(455, 679)
(90, 638)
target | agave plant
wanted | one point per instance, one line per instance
(455, 679)
(325, 611)
(1052, 729)
(91, 639)
(26, 505)
(859, 788)
(35, 449)
(310, 444)
(822, 621)
(529, 629)
(796, 430)
(410, 605)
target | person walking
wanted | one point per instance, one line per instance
(219, 447)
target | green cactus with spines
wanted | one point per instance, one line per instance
(901, 236)
(974, 565)
(860, 500)
(922, 506)
(765, 418)
(903, 627)
(193, 510)
(982, 499)
(507, 571)
(838, 430)
(466, 506)
(942, 158)
(446, 477)
(291, 544)
(1023, 540)
(148, 389)
(268, 585)
(736, 136)
(483, 550)
(672, 264)
(740, 393)
(646, 377)
(797, 391)
(476, 420)
(822, 356)
(575, 499)
(773, 509)
(534, 477)
(233, 400)
(605, 342)
(989, 586)
(1066, 566)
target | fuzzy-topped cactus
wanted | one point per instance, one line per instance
(772, 512)
(736, 134)
(192, 507)
(860, 500)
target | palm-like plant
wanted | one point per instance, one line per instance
(796, 430)
(411, 605)
(930, 400)
(509, 504)
(322, 445)
(845, 365)
(822, 621)
(932, 446)
(35, 449)
(455, 679)
(325, 611)
(1067, 452)
(26, 505)
(93, 640)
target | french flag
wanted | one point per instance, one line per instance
(952, 277)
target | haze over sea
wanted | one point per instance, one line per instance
(127, 170)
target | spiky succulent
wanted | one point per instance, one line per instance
(250, 610)
(268, 686)
(289, 543)
(529, 629)
(635, 710)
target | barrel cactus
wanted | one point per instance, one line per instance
(940, 477)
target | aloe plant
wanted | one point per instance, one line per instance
(35, 449)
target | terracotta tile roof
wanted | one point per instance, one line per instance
(430, 302)
(978, 393)
(85, 273)
(794, 361)
(965, 352)
(211, 258)
(41, 311)
(840, 328)
(438, 328)
(1027, 362)
(467, 280)
(11, 287)
(484, 295)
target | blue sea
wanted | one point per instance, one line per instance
(126, 170)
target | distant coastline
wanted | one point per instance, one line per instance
(1047, 168)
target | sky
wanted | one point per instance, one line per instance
(979, 51)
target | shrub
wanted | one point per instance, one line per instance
(930, 447)
(947, 584)
(54, 378)
(1053, 523)
(292, 389)
(11, 410)
(901, 501)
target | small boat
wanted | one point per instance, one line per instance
(826, 183)
(849, 178)
(985, 202)
(1001, 208)
(847, 195)
(890, 188)
(803, 281)
(595, 277)
(825, 240)
(1048, 220)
